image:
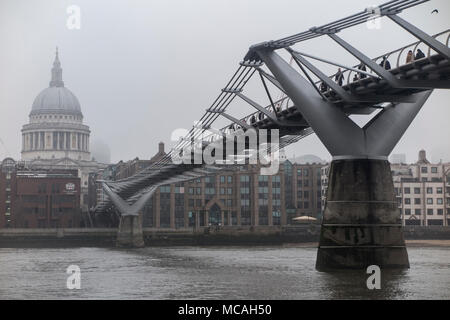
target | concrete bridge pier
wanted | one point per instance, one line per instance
(130, 226)
(130, 232)
(361, 223)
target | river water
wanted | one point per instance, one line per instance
(211, 273)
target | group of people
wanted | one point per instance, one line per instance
(410, 56)
(339, 77)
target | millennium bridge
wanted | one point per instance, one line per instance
(361, 223)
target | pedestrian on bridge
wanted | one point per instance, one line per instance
(362, 67)
(339, 78)
(385, 63)
(419, 54)
(409, 57)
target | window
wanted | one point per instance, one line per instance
(407, 201)
(429, 190)
(430, 212)
(429, 200)
(222, 179)
(439, 190)
(191, 190)
(417, 212)
(416, 200)
(245, 202)
(433, 169)
(230, 179)
(440, 212)
(230, 191)
(222, 190)
(407, 212)
(164, 189)
(199, 190)
(439, 201)
(245, 178)
(407, 190)
(424, 170)
(263, 189)
(299, 172)
(416, 190)
(245, 190)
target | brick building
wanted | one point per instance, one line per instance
(39, 198)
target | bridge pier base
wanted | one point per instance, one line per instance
(361, 223)
(130, 232)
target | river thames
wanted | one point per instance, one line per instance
(211, 273)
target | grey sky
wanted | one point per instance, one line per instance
(144, 68)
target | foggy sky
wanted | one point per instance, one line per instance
(141, 69)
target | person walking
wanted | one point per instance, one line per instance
(339, 78)
(385, 63)
(323, 87)
(409, 57)
(362, 67)
(419, 55)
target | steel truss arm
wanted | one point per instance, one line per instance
(271, 79)
(257, 106)
(340, 135)
(124, 208)
(387, 75)
(335, 63)
(232, 119)
(425, 38)
(349, 98)
(383, 73)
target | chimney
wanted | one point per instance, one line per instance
(161, 147)
(422, 156)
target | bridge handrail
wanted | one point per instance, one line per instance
(247, 118)
(388, 54)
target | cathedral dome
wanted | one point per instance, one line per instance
(56, 98)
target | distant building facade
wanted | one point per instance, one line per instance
(237, 196)
(422, 190)
(39, 198)
(398, 158)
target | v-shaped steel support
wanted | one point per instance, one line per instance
(340, 135)
(124, 208)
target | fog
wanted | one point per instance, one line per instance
(141, 69)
